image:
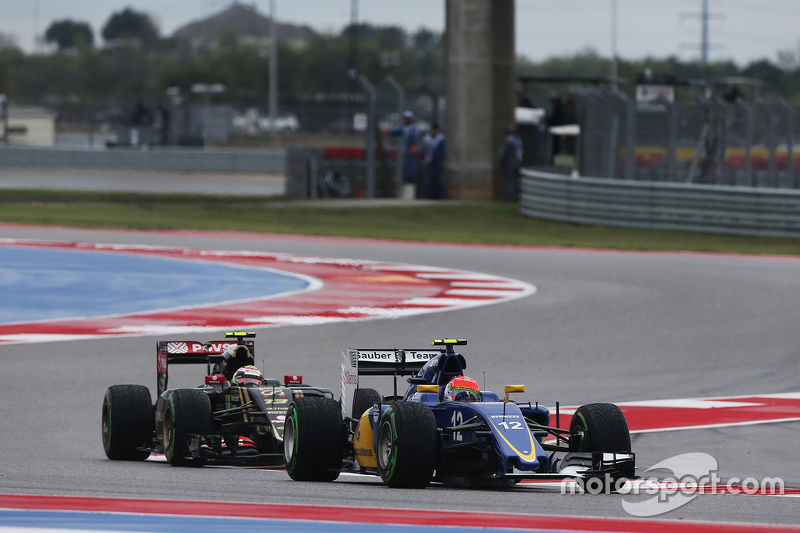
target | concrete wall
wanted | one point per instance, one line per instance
(168, 159)
(481, 97)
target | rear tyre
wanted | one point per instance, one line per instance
(127, 422)
(188, 412)
(408, 445)
(604, 429)
(312, 439)
(364, 399)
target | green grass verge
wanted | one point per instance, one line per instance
(471, 223)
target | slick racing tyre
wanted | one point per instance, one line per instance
(604, 429)
(312, 439)
(127, 423)
(188, 412)
(364, 399)
(408, 445)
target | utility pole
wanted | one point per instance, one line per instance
(273, 69)
(704, 33)
(352, 66)
(705, 17)
(36, 38)
(614, 39)
(4, 118)
(354, 34)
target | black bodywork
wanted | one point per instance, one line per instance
(248, 420)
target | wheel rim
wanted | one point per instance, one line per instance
(105, 425)
(289, 439)
(384, 451)
(581, 426)
(168, 431)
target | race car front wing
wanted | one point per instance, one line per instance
(585, 466)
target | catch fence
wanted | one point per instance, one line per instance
(714, 141)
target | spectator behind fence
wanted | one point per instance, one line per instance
(509, 160)
(161, 125)
(139, 119)
(556, 117)
(410, 139)
(434, 151)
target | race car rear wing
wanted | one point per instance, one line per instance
(194, 352)
(379, 362)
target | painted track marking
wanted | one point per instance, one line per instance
(36, 508)
(654, 416)
(53, 284)
(341, 289)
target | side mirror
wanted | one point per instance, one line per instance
(292, 380)
(429, 388)
(216, 379)
(513, 388)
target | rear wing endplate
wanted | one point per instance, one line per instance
(379, 362)
(191, 352)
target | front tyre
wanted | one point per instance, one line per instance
(600, 427)
(604, 429)
(408, 445)
(312, 439)
(127, 422)
(188, 412)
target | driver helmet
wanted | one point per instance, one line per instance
(462, 389)
(246, 375)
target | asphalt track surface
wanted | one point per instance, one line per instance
(603, 326)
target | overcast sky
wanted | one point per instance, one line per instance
(742, 30)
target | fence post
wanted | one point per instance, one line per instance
(672, 140)
(313, 177)
(372, 113)
(401, 106)
(612, 146)
(722, 141)
(701, 141)
(748, 154)
(772, 176)
(4, 117)
(630, 137)
(589, 155)
(789, 142)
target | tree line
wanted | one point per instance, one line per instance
(136, 59)
(781, 78)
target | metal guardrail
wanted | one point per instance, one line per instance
(169, 159)
(659, 205)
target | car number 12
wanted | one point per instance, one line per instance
(457, 420)
(511, 425)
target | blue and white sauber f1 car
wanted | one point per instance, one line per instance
(420, 437)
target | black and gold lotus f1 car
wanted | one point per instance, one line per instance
(217, 422)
